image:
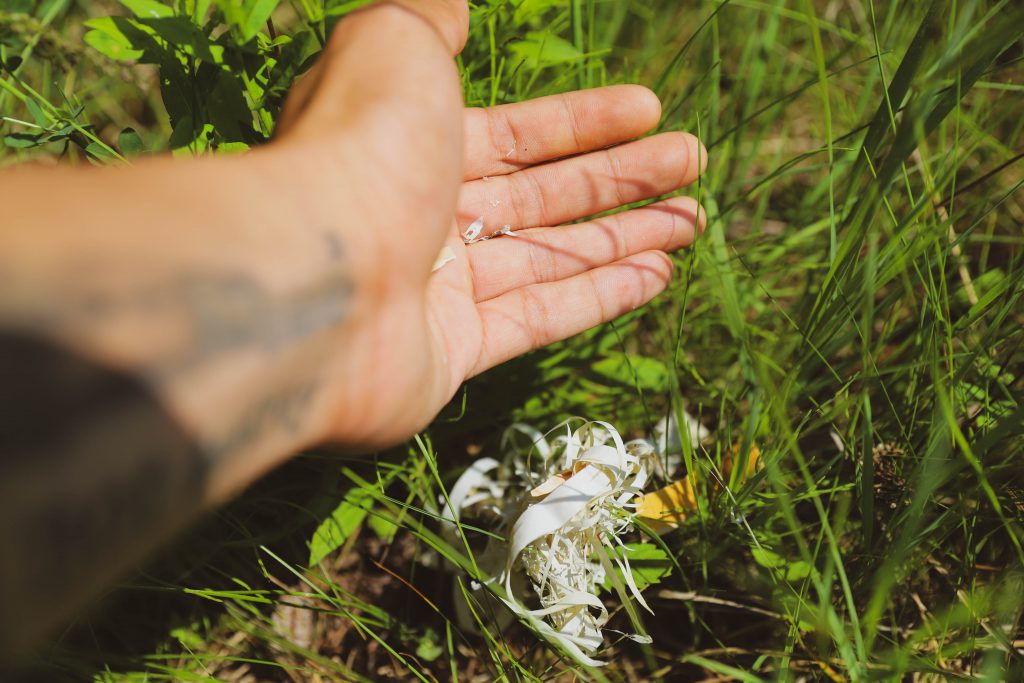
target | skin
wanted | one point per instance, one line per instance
(254, 306)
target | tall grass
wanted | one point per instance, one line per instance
(854, 311)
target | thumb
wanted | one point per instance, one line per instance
(449, 18)
(385, 102)
(393, 56)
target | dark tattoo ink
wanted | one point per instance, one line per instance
(222, 313)
(335, 252)
(94, 470)
(91, 466)
(283, 411)
(231, 312)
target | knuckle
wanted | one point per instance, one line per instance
(573, 120)
(543, 264)
(500, 132)
(528, 198)
(536, 316)
(613, 163)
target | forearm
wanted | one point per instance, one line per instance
(173, 330)
(168, 332)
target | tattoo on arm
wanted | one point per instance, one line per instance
(94, 470)
(282, 411)
(224, 313)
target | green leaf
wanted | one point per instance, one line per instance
(541, 49)
(148, 9)
(177, 89)
(126, 39)
(130, 143)
(288, 66)
(108, 39)
(648, 564)
(21, 140)
(334, 8)
(188, 637)
(36, 111)
(800, 570)
(181, 34)
(99, 151)
(647, 373)
(382, 526)
(997, 411)
(248, 17)
(792, 570)
(258, 13)
(429, 647)
(200, 10)
(19, 6)
(225, 104)
(531, 9)
(58, 135)
(232, 147)
(343, 522)
(767, 558)
(184, 132)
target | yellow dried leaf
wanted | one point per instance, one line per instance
(753, 459)
(666, 508)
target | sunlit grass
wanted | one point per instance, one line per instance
(855, 310)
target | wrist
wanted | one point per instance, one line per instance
(299, 248)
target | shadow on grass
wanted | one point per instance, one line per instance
(125, 627)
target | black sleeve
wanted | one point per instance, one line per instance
(93, 473)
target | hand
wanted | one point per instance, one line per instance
(406, 169)
(292, 299)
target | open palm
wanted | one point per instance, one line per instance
(533, 166)
(426, 169)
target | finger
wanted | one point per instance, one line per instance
(552, 254)
(504, 139)
(534, 316)
(582, 186)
